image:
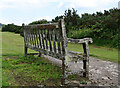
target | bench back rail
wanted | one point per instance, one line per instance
(48, 39)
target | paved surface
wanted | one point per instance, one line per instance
(102, 73)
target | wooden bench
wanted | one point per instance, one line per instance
(50, 39)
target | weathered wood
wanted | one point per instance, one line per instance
(37, 38)
(40, 41)
(32, 37)
(79, 40)
(63, 34)
(27, 36)
(46, 42)
(49, 39)
(44, 37)
(44, 26)
(54, 42)
(58, 41)
(24, 34)
(25, 51)
(86, 60)
(29, 40)
(25, 40)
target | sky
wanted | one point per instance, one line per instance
(27, 11)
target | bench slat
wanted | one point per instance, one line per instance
(32, 37)
(40, 42)
(58, 41)
(37, 38)
(45, 33)
(43, 44)
(49, 39)
(54, 42)
(43, 26)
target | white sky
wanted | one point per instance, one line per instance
(26, 11)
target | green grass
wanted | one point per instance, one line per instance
(103, 53)
(29, 71)
(12, 44)
(19, 70)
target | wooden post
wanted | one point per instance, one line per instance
(39, 54)
(86, 60)
(25, 47)
(25, 51)
(64, 49)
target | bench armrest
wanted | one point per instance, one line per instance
(89, 40)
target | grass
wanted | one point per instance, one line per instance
(18, 70)
(30, 71)
(103, 53)
(12, 44)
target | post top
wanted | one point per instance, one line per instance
(23, 24)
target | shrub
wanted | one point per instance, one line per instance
(13, 28)
(81, 33)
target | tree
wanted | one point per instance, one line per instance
(43, 21)
(57, 18)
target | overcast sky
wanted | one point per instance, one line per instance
(26, 11)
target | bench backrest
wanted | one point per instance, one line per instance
(49, 39)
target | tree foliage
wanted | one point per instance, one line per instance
(100, 26)
(43, 21)
(13, 28)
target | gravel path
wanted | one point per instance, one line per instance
(102, 73)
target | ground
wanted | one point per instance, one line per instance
(101, 73)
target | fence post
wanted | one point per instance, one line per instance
(25, 47)
(86, 60)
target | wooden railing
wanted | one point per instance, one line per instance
(50, 39)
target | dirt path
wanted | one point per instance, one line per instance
(102, 73)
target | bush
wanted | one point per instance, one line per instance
(13, 28)
(81, 33)
(100, 37)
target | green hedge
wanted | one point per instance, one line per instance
(13, 28)
(99, 36)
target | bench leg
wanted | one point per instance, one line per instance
(63, 72)
(86, 68)
(26, 51)
(39, 54)
(86, 60)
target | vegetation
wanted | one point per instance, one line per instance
(102, 27)
(43, 21)
(13, 28)
(19, 70)
(103, 53)
(29, 71)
